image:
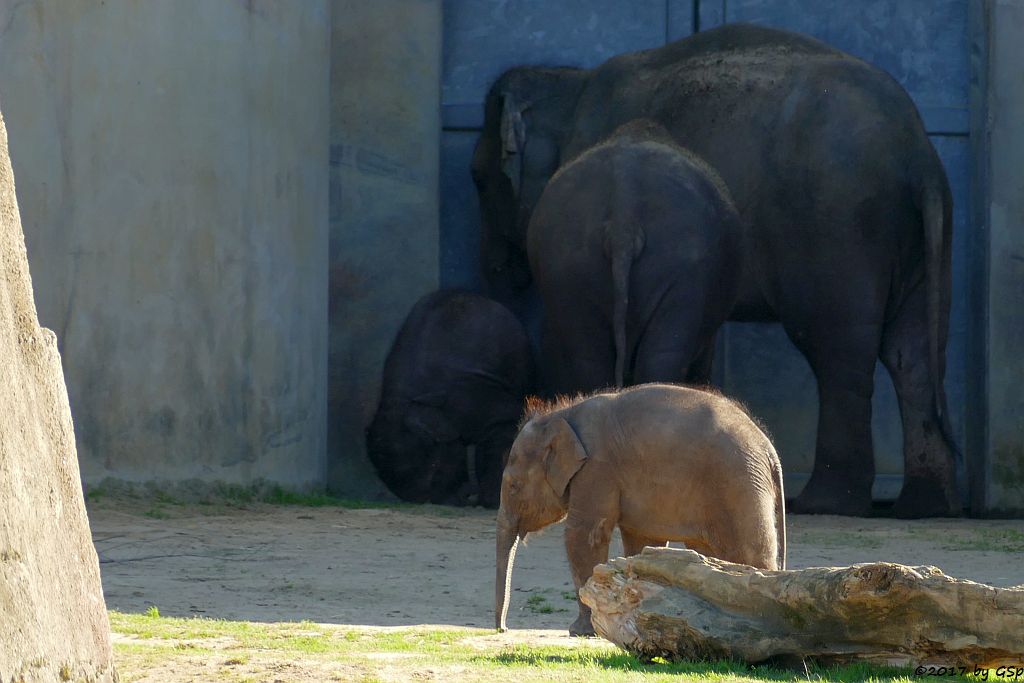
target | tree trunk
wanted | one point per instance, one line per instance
(679, 604)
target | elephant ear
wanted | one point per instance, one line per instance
(513, 139)
(565, 455)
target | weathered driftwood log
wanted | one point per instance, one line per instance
(679, 604)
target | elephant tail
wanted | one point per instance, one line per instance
(622, 250)
(621, 265)
(937, 221)
(780, 511)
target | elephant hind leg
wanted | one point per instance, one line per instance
(745, 532)
(672, 348)
(578, 358)
(633, 543)
(929, 483)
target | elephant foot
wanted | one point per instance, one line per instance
(924, 497)
(582, 628)
(822, 497)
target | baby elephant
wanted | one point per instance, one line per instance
(453, 390)
(662, 462)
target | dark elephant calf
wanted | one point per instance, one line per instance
(453, 391)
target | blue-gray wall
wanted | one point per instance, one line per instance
(385, 114)
(922, 43)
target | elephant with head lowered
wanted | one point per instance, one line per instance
(453, 389)
(848, 207)
(661, 462)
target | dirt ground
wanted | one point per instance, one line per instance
(434, 565)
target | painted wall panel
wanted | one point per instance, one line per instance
(921, 43)
(485, 37)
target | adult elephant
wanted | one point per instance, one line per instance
(639, 236)
(452, 394)
(848, 204)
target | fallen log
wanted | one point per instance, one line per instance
(679, 604)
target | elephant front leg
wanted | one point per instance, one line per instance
(586, 544)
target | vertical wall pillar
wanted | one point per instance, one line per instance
(385, 134)
(996, 435)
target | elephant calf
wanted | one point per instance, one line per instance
(635, 248)
(662, 462)
(453, 390)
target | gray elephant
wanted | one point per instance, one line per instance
(848, 206)
(635, 250)
(661, 462)
(453, 390)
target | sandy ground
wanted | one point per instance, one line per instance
(436, 565)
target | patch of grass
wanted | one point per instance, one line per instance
(153, 500)
(986, 540)
(569, 595)
(539, 604)
(436, 652)
(837, 540)
(152, 612)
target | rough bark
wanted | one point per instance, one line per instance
(679, 604)
(53, 622)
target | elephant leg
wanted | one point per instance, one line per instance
(671, 349)
(633, 543)
(448, 475)
(843, 359)
(929, 480)
(699, 372)
(586, 544)
(579, 359)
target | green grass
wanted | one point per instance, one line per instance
(360, 653)
(850, 539)
(985, 540)
(157, 503)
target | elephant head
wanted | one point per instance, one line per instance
(527, 116)
(545, 456)
(416, 450)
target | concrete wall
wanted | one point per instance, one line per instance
(996, 441)
(172, 161)
(385, 118)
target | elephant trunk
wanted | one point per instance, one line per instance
(507, 542)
